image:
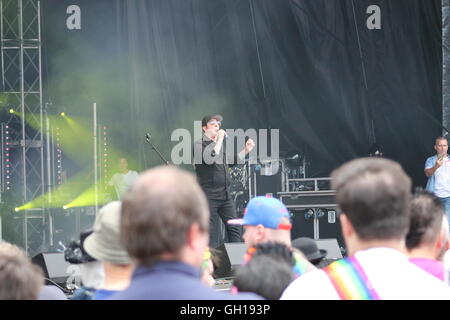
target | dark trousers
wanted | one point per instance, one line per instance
(222, 211)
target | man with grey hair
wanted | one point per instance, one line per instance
(374, 197)
(164, 228)
(437, 169)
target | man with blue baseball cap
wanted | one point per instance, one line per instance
(266, 219)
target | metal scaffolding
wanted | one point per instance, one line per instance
(22, 85)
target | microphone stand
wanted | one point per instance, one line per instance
(148, 138)
(375, 147)
(434, 120)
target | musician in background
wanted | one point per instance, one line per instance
(124, 179)
(437, 169)
(214, 178)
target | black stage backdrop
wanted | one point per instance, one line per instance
(446, 61)
(311, 68)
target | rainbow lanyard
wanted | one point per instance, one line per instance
(350, 281)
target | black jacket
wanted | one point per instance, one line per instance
(214, 178)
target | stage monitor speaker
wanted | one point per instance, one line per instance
(332, 247)
(231, 257)
(54, 266)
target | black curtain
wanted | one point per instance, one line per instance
(446, 61)
(311, 68)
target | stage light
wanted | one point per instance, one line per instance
(65, 207)
(16, 209)
(11, 110)
(7, 158)
(63, 114)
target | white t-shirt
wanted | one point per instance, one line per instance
(123, 181)
(442, 180)
(392, 276)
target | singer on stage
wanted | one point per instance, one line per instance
(213, 176)
(437, 169)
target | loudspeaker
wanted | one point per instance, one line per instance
(54, 266)
(330, 226)
(302, 223)
(332, 247)
(268, 179)
(231, 257)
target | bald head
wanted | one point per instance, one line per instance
(158, 211)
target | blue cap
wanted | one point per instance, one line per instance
(266, 211)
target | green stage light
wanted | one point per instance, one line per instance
(11, 110)
(88, 198)
(65, 207)
(16, 209)
(63, 114)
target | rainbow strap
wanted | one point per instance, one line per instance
(350, 281)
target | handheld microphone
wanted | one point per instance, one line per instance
(225, 133)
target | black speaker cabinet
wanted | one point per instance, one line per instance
(302, 223)
(330, 226)
(317, 223)
(268, 179)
